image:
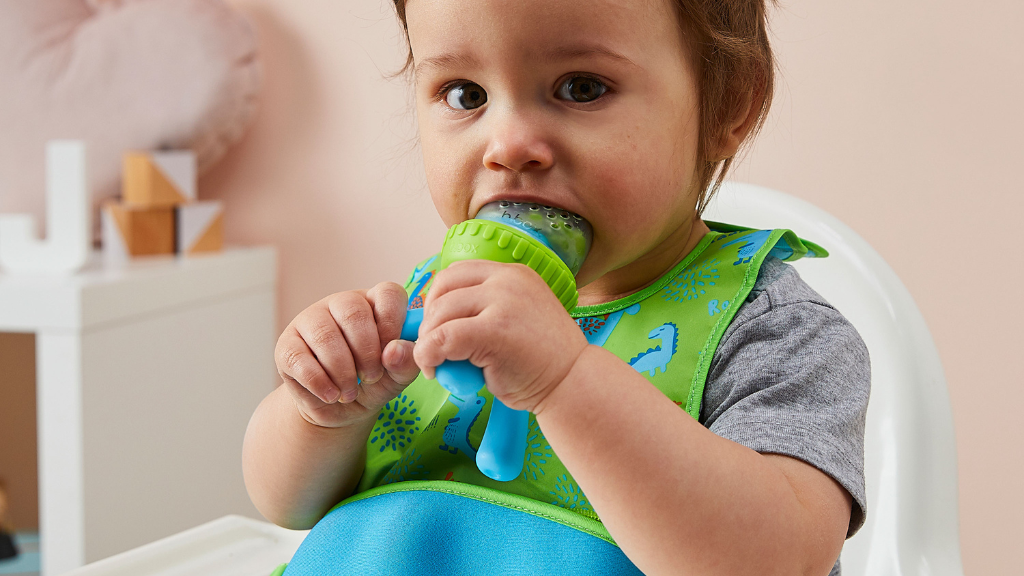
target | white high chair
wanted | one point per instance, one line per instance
(910, 455)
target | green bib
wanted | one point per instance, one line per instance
(668, 332)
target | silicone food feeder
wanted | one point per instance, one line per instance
(551, 241)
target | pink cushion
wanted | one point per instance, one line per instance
(119, 74)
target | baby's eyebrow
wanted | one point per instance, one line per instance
(452, 60)
(444, 61)
(586, 50)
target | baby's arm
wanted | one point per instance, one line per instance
(675, 496)
(305, 444)
(692, 502)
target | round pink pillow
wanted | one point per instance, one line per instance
(120, 75)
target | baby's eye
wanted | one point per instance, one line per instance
(466, 96)
(581, 89)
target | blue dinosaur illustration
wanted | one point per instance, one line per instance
(751, 244)
(597, 329)
(660, 355)
(421, 277)
(456, 433)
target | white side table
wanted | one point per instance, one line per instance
(147, 374)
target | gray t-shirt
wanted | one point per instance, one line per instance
(791, 376)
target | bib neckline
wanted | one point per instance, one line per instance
(627, 301)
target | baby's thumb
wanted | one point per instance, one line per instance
(398, 361)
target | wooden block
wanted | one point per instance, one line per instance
(158, 179)
(133, 231)
(200, 227)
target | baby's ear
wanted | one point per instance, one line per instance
(746, 115)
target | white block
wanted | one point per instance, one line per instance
(68, 218)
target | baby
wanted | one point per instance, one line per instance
(733, 445)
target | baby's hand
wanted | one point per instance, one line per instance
(342, 337)
(505, 319)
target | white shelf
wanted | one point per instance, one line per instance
(103, 292)
(147, 373)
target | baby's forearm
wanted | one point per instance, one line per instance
(677, 498)
(296, 471)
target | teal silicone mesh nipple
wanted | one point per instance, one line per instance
(568, 234)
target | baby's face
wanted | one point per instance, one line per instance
(586, 105)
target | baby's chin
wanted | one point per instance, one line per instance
(600, 261)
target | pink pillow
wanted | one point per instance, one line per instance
(120, 75)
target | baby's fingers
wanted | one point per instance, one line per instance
(399, 362)
(388, 301)
(454, 340)
(325, 341)
(354, 317)
(461, 303)
(296, 363)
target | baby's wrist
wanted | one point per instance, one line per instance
(571, 385)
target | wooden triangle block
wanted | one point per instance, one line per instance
(158, 179)
(133, 231)
(200, 227)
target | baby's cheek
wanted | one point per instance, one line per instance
(634, 189)
(449, 187)
(645, 199)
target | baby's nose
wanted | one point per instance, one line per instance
(518, 146)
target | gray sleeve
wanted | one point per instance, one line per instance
(791, 376)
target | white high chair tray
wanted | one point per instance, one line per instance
(228, 546)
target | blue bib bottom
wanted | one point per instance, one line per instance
(425, 533)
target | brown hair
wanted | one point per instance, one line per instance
(735, 68)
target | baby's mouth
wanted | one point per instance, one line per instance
(568, 234)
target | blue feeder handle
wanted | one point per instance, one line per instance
(509, 231)
(503, 447)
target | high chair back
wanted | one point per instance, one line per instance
(910, 455)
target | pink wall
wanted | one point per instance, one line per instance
(903, 119)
